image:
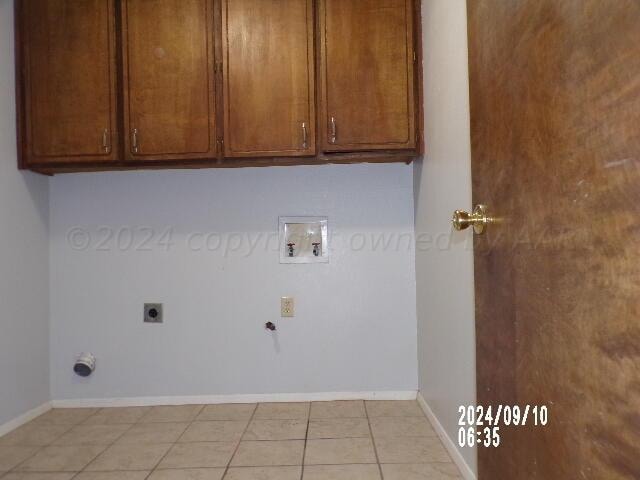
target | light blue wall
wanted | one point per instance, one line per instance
(24, 258)
(355, 324)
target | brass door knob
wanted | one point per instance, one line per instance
(479, 219)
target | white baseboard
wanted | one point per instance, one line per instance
(24, 418)
(250, 398)
(457, 457)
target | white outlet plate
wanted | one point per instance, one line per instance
(287, 307)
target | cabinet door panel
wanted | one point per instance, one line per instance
(269, 78)
(169, 79)
(367, 74)
(69, 75)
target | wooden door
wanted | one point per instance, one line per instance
(367, 75)
(67, 61)
(169, 93)
(555, 108)
(269, 99)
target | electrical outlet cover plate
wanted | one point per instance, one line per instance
(287, 307)
(310, 238)
(153, 313)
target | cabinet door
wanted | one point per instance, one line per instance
(367, 74)
(169, 93)
(68, 84)
(268, 78)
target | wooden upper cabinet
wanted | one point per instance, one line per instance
(118, 84)
(67, 81)
(269, 102)
(169, 93)
(367, 75)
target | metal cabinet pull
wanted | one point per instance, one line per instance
(305, 138)
(334, 131)
(134, 140)
(105, 141)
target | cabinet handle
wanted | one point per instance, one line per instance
(134, 140)
(334, 131)
(305, 142)
(105, 141)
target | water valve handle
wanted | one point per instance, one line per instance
(270, 326)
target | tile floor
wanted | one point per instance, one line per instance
(352, 440)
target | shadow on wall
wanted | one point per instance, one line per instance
(418, 165)
(33, 183)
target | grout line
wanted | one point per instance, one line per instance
(42, 447)
(77, 474)
(306, 440)
(144, 415)
(253, 414)
(177, 440)
(98, 410)
(13, 470)
(373, 441)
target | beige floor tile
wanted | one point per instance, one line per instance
(34, 435)
(129, 457)
(339, 451)
(393, 409)
(65, 416)
(92, 435)
(61, 459)
(188, 474)
(199, 455)
(233, 411)
(218, 431)
(276, 430)
(11, 455)
(272, 448)
(264, 454)
(150, 433)
(264, 473)
(341, 472)
(347, 409)
(339, 428)
(112, 476)
(282, 411)
(427, 471)
(115, 416)
(411, 450)
(37, 476)
(402, 427)
(179, 413)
